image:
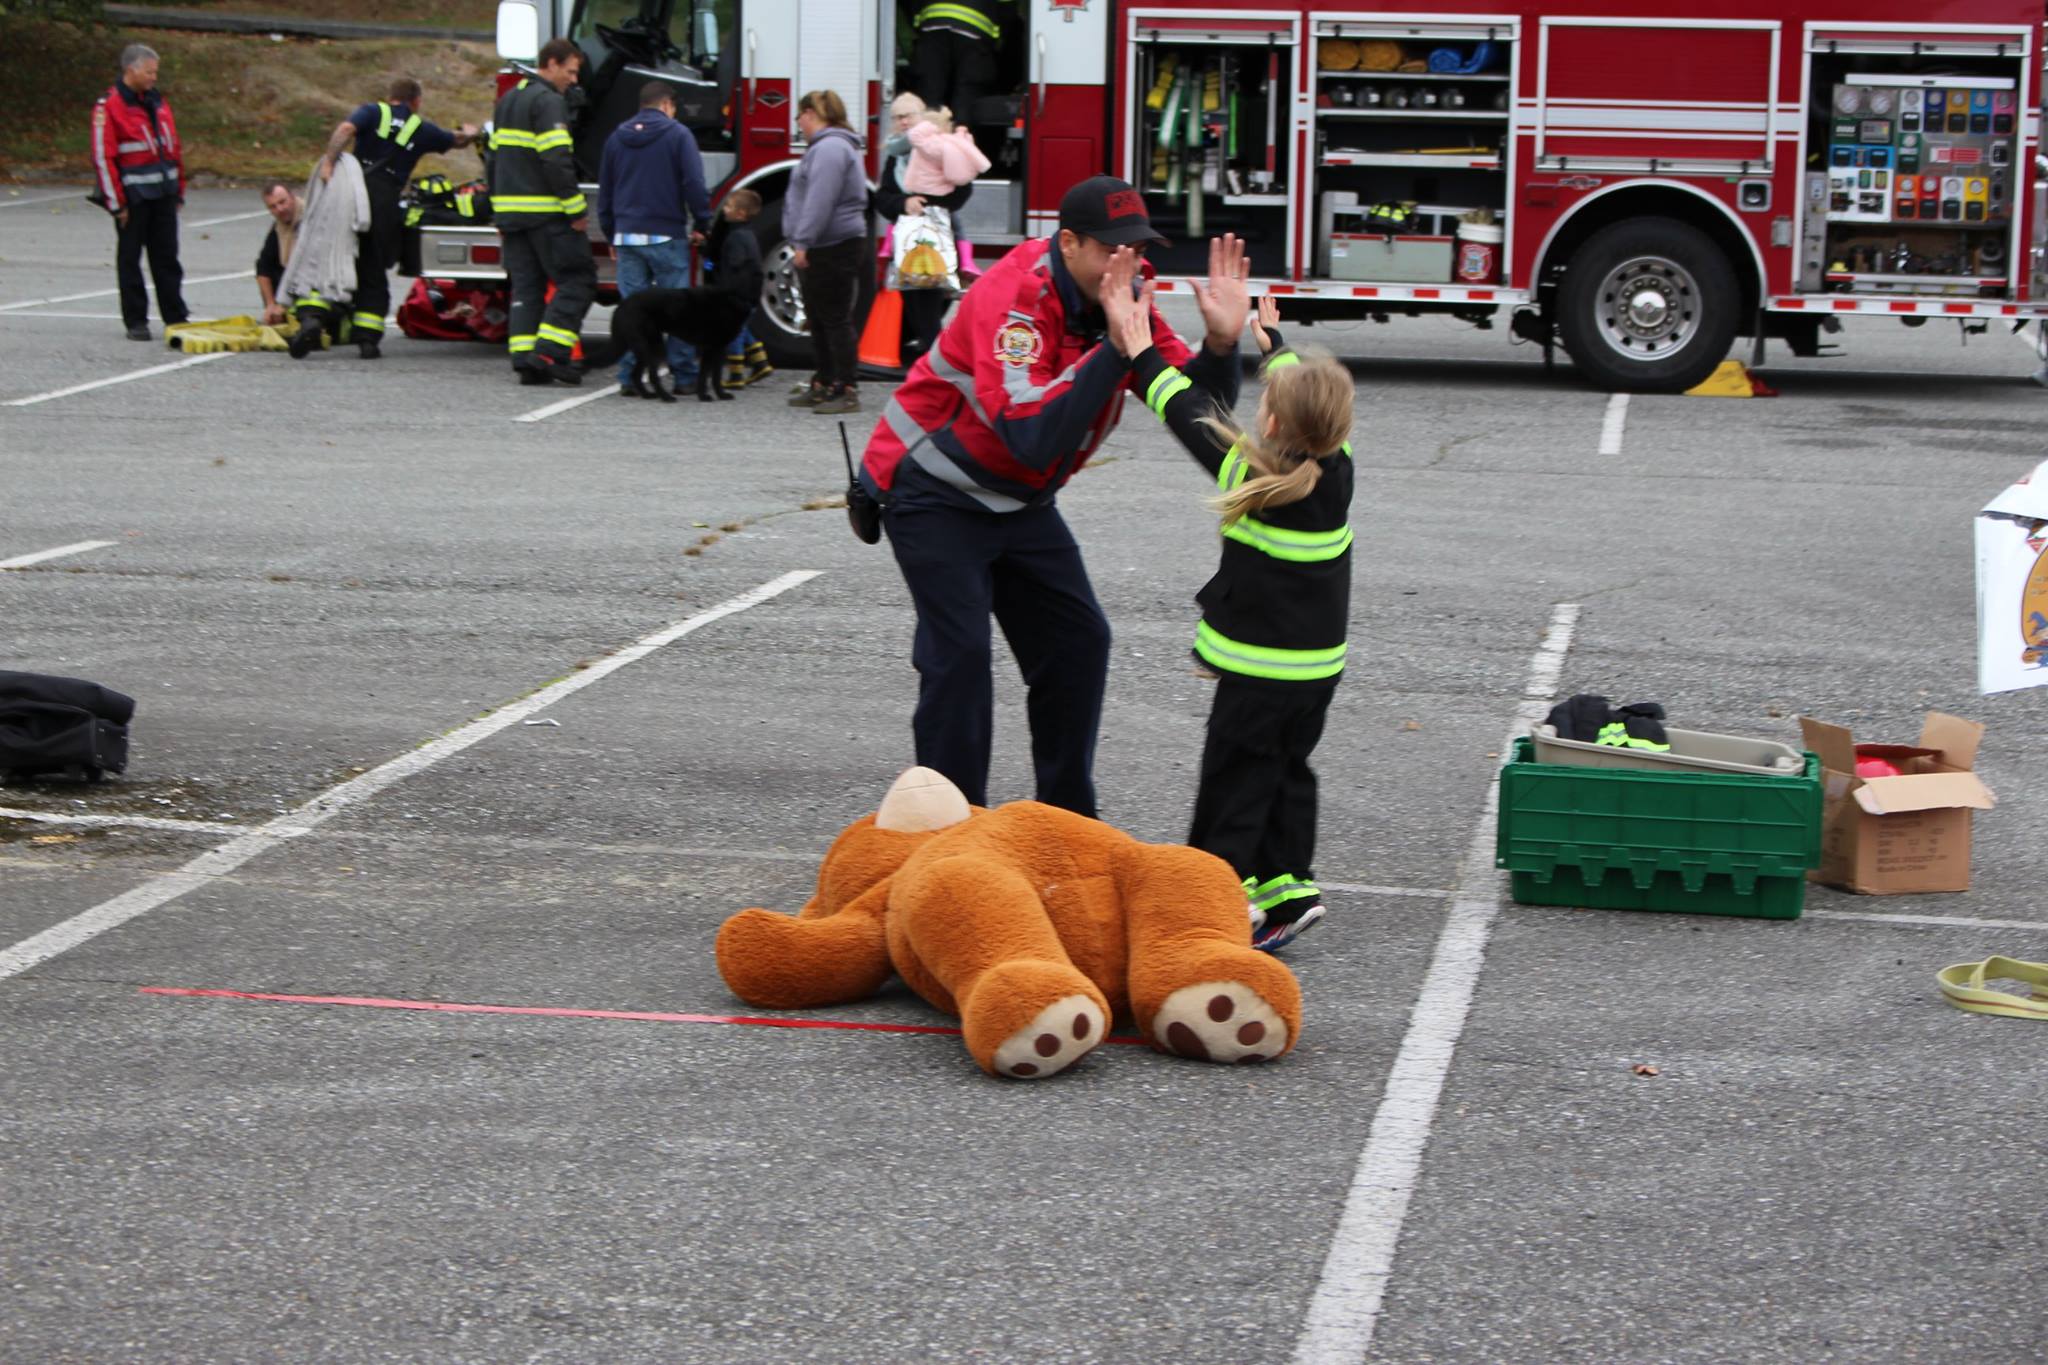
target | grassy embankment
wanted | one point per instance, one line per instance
(247, 107)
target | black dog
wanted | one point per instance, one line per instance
(706, 317)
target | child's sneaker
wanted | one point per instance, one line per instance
(1258, 912)
(1277, 934)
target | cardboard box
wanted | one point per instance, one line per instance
(2012, 587)
(1887, 836)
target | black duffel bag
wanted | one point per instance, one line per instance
(51, 725)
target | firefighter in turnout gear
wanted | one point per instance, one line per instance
(390, 137)
(541, 215)
(953, 63)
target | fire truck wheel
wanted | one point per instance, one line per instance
(779, 323)
(1648, 306)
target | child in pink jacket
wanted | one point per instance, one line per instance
(942, 157)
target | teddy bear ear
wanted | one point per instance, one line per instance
(922, 800)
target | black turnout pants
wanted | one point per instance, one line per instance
(831, 289)
(949, 68)
(552, 252)
(1024, 569)
(1256, 805)
(152, 227)
(376, 252)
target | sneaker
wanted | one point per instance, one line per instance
(139, 332)
(807, 396)
(1276, 936)
(845, 400)
(1258, 912)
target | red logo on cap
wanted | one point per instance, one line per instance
(1124, 203)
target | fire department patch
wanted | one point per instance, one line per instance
(1018, 343)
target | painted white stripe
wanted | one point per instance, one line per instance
(211, 866)
(41, 199)
(1348, 1297)
(1940, 921)
(76, 548)
(190, 280)
(231, 218)
(1435, 893)
(117, 379)
(120, 821)
(27, 317)
(1611, 428)
(542, 414)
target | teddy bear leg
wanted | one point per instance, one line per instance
(1198, 989)
(789, 963)
(981, 934)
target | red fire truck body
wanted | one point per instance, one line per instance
(1638, 184)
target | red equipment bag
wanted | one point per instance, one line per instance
(448, 310)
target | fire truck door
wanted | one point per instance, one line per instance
(1065, 117)
(835, 50)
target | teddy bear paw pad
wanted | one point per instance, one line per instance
(1058, 1036)
(1220, 1021)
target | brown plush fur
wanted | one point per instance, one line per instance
(1036, 926)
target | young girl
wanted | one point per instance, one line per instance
(1274, 616)
(942, 157)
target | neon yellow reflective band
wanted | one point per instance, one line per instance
(561, 336)
(369, 322)
(1279, 890)
(527, 203)
(1298, 547)
(1282, 360)
(1261, 661)
(521, 343)
(960, 14)
(575, 207)
(1233, 469)
(510, 137)
(554, 137)
(1162, 390)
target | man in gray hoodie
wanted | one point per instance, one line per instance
(826, 221)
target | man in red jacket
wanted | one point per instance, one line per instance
(139, 177)
(970, 456)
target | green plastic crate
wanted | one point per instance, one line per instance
(1620, 839)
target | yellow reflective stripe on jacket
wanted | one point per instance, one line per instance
(1263, 661)
(1298, 547)
(1231, 472)
(1164, 389)
(554, 137)
(405, 130)
(511, 137)
(575, 207)
(539, 203)
(959, 14)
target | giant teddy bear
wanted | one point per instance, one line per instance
(1036, 926)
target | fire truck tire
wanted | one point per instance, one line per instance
(779, 323)
(1648, 306)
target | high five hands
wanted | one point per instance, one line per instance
(1127, 311)
(1224, 300)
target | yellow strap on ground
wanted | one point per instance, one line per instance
(1964, 986)
(240, 333)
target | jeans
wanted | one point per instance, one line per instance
(665, 265)
(831, 290)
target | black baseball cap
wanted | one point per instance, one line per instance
(1109, 210)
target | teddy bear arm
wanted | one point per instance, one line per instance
(785, 962)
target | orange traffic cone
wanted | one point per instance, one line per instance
(881, 343)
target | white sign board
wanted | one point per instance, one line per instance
(2012, 587)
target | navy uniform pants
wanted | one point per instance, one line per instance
(1024, 570)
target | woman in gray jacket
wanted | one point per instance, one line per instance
(826, 219)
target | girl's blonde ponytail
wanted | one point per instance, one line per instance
(1310, 398)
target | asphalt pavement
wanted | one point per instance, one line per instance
(308, 572)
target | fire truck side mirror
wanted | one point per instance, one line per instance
(518, 30)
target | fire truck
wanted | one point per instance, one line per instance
(1641, 183)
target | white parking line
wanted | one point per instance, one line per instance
(79, 195)
(120, 821)
(542, 414)
(117, 379)
(210, 867)
(107, 293)
(1940, 921)
(1348, 1297)
(32, 317)
(1610, 429)
(231, 218)
(77, 548)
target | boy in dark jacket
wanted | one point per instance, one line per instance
(651, 205)
(740, 272)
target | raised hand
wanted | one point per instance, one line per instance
(1119, 302)
(1131, 333)
(1268, 316)
(1223, 298)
